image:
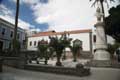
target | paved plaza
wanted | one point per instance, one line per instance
(96, 74)
(65, 63)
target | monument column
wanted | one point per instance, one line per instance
(101, 52)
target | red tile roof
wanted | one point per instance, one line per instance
(49, 33)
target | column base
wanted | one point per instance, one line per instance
(99, 63)
(101, 55)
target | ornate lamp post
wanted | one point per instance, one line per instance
(101, 43)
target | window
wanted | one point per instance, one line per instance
(34, 43)
(3, 31)
(11, 34)
(30, 43)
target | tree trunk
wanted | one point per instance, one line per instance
(15, 29)
(64, 55)
(46, 61)
(74, 57)
(58, 63)
(102, 7)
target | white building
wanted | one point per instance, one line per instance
(30, 32)
(84, 35)
(7, 34)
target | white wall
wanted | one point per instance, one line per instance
(37, 39)
(84, 37)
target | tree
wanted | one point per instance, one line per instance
(101, 6)
(43, 47)
(59, 44)
(66, 42)
(113, 23)
(75, 48)
(112, 48)
(51, 52)
(17, 47)
(56, 43)
(15, 29)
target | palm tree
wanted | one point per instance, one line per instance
(56, 43)
(75, 48)
(42, 48)
(16, 25)
(59, 44)
(101, 5)
(102, 9)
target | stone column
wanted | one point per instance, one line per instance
(101, 43)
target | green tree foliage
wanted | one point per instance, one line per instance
(112, 48)
(75, 48)
(59, 44)
(12, 51)
(101, 3)
(56, 43)
(51, 52)
(17, 45)
(113, 23)
(43, 50)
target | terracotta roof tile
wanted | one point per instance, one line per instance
(49, 33)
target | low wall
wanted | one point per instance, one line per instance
(16, 62)
(59, 70)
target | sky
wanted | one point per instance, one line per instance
(45, 15)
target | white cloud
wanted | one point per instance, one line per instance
(64, 14)
(22, 24)
(36, 29)
(27, 1)
(25, 25)
(4, 10)
(7, 15)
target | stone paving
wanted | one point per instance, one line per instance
(65, 63)
(96, 74)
